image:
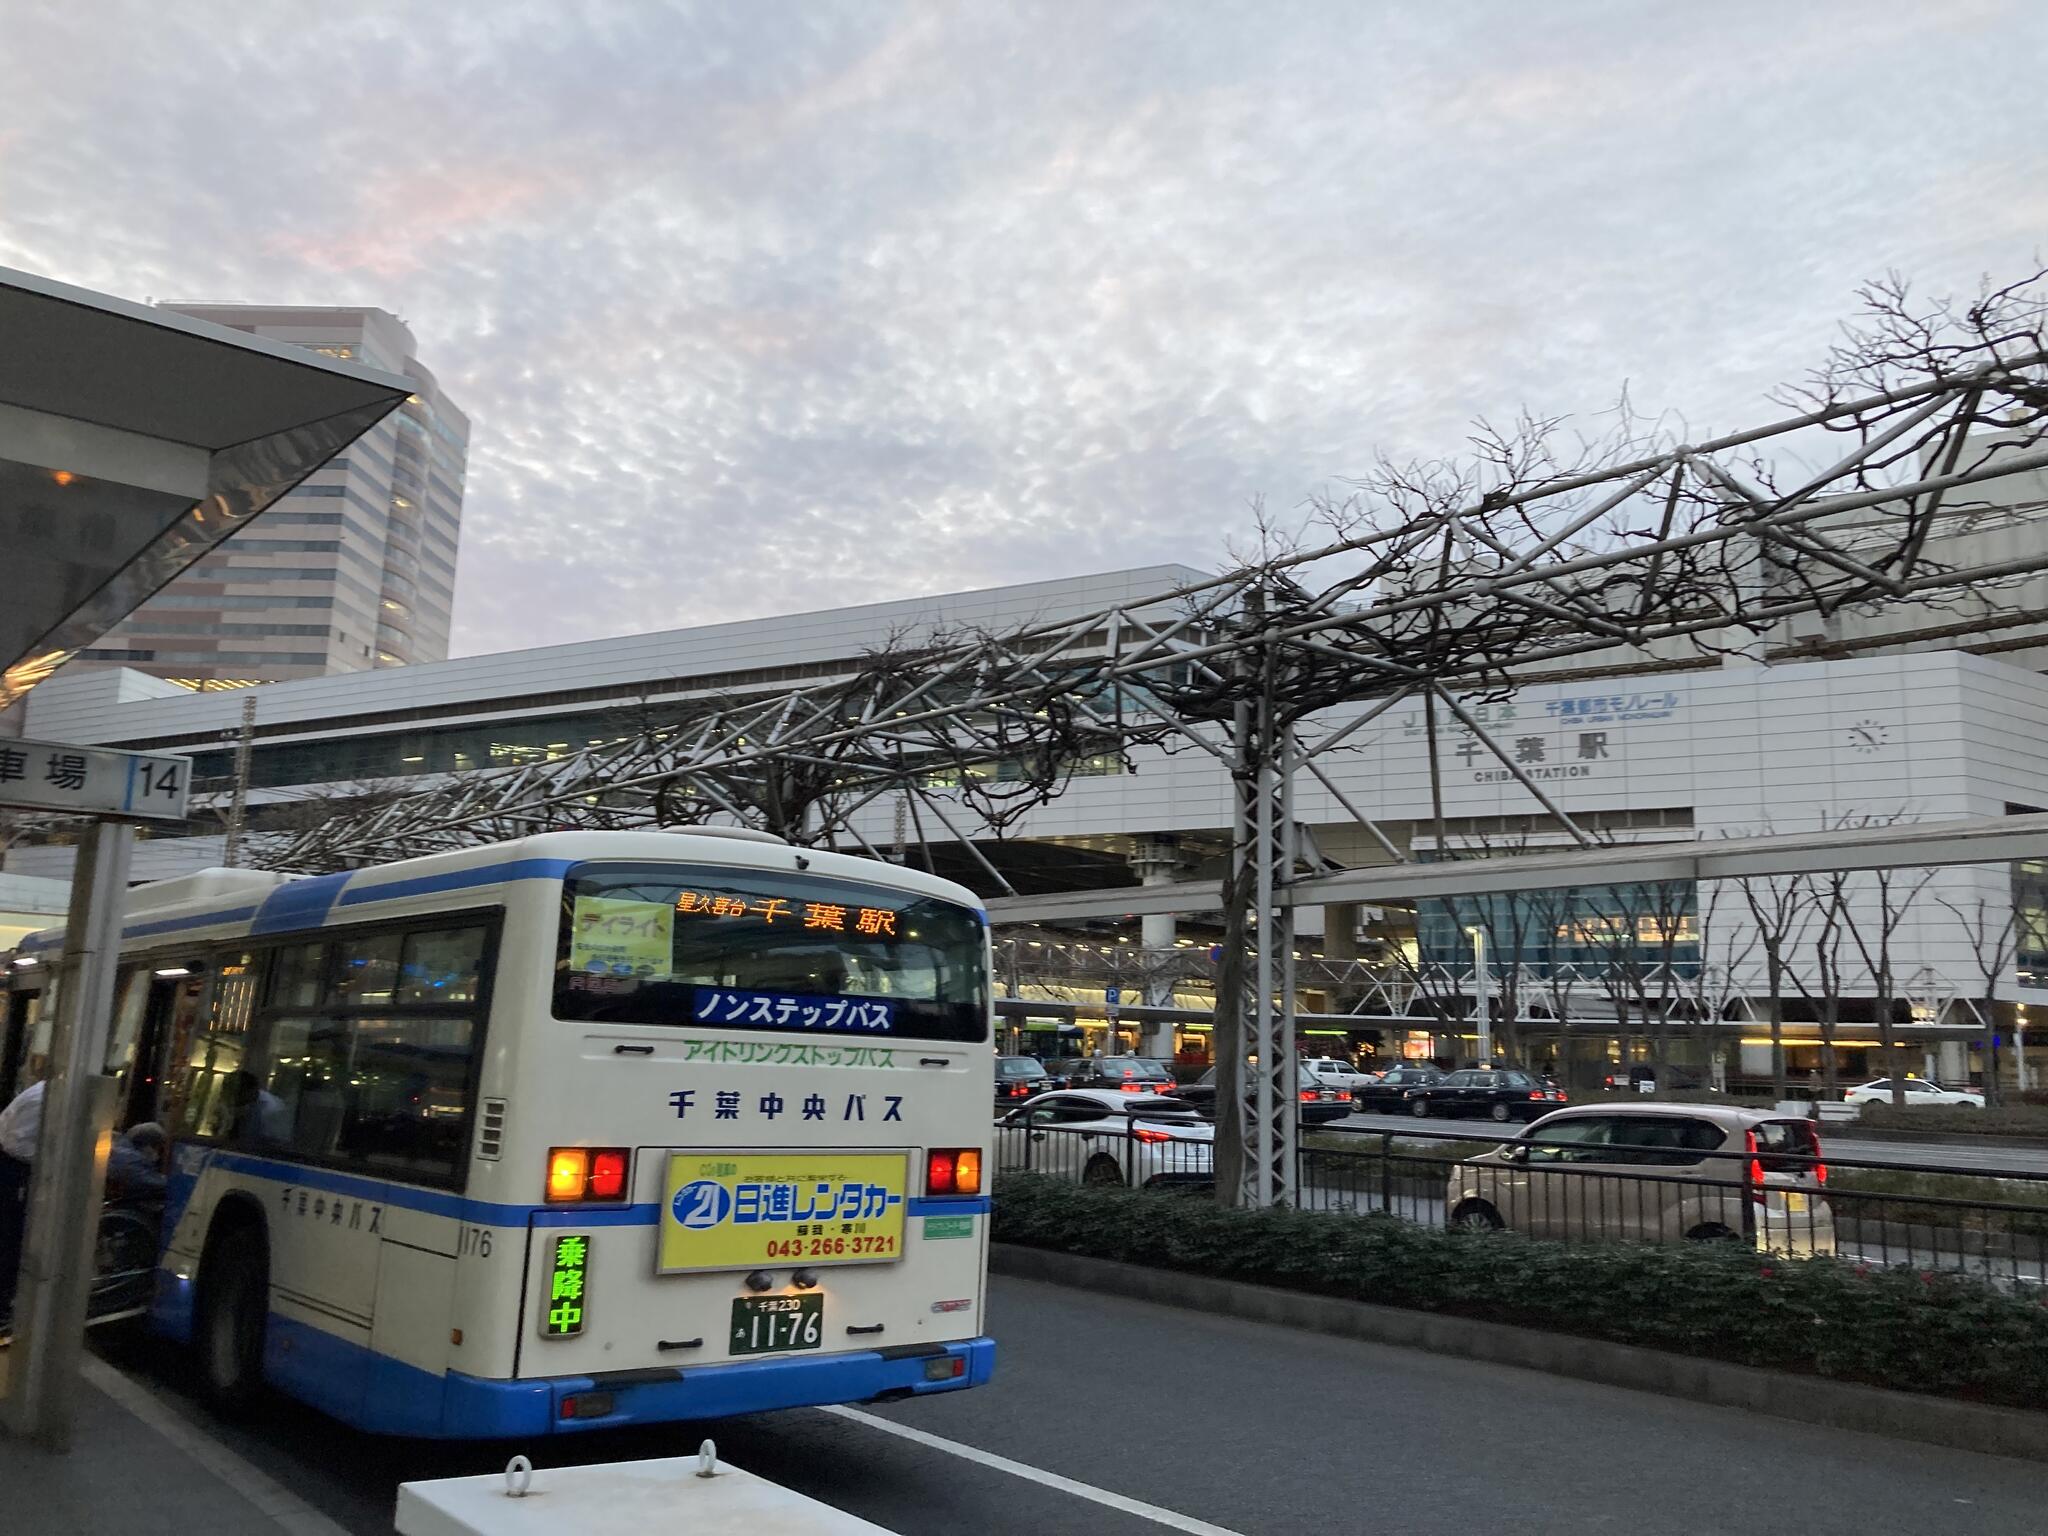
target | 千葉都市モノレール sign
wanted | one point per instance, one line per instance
(93, 781)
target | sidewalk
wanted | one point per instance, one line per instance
(137, 1464)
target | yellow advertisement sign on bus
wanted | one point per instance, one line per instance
(613, 937)
(750, 1211)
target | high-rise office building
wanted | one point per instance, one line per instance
(352, 570)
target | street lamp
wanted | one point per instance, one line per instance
(1482, 1016)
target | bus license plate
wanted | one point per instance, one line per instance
(764, 1325)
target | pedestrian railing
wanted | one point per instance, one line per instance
(1990, 1223)
(1137, 1149)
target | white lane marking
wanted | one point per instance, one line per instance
(291, 1513)
(1166, 1517)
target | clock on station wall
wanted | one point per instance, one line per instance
(1868, 736)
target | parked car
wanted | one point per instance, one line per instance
(1319, 1105)
(1641, 1077)
(1498, 1094)
(1334, 1072)
(1105, 1136)
(1390, 1089)
(1919, 1090)
(1126, 1074)
(1019, 1077)
(1653, 1173)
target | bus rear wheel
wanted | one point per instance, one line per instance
(234, 1296)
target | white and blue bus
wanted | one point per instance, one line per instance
(589, 1129)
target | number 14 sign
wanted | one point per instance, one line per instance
(92, 781)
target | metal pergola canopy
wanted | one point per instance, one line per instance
(132, 441)
(1983, 840)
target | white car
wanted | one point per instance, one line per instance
(1919, 1090)
(1332, 1072)
(1102, 1136)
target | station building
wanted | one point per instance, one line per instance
(1697, 748)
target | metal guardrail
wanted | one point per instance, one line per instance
(1936, 1218)
(1145, 1151)
(1992, 1224)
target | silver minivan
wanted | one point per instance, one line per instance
(1653, 1173)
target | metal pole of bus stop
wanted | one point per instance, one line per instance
(71, 1154)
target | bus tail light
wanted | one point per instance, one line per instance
(607, 1175)
(952, 1171)
(579, 1174)
(568, 1172)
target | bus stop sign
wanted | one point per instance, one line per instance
(92, 781)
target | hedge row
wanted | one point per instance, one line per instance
(2006, 1120)
(1893, 1328)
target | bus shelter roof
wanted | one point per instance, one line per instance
(132, 441)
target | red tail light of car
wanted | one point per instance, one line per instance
(1308, 1095)
(1151, 1137)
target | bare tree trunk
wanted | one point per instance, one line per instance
(1774, 982)
(1994, 1092)
(1226, 1039)
(1830, 1070)
(1889, 1043)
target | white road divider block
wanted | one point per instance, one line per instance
(699, 1494)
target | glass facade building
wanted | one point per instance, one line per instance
(353, 570)
(1585, 931)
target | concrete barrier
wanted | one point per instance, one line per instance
(699, 1494)
(1783, 1394)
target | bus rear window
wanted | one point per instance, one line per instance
(719, 948)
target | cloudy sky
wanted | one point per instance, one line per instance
(760, 307)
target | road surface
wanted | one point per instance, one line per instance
(1112, 1417)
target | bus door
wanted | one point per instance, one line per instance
(17, 1011)
(170, 1007)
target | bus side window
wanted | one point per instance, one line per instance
(367, 973)
(442, 965)
(412, 1111)
(305, 1102)
(298, 976)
